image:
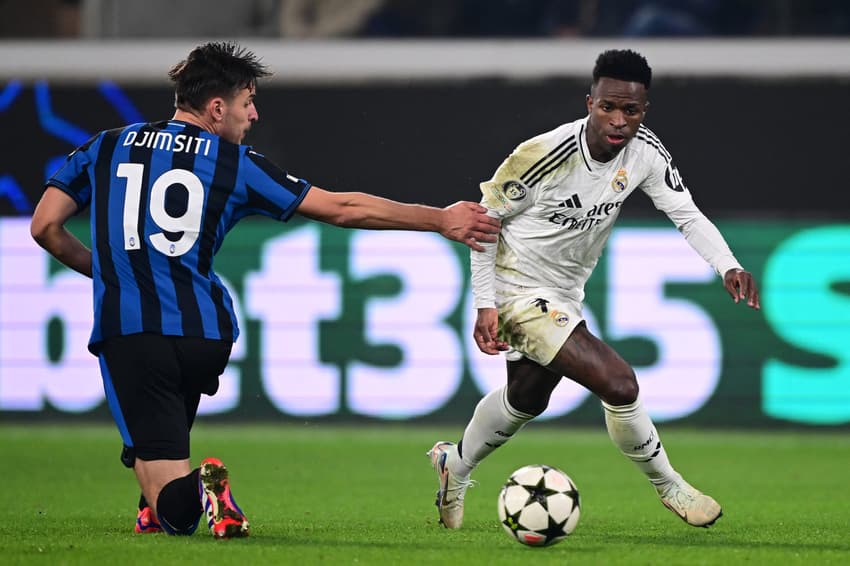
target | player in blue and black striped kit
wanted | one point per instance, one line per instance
(162, 197)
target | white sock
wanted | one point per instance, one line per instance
(631, 429)
(493, 423)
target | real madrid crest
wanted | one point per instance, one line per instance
(514, 190)
(559, 318)
(620, 182)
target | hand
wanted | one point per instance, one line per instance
(468, 223)
(486, 332)
(741, 285)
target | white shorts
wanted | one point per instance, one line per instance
(537, 322)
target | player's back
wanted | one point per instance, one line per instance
(163, 195)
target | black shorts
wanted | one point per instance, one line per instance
(153, 385)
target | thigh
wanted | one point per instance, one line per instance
(201, 361)
(143, 382)
(589, 361)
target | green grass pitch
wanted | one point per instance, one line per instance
(364, 495)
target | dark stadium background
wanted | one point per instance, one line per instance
(761, 148)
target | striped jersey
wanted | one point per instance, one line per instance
(558, 206)
(163, 195)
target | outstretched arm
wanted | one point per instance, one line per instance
(704, 237)
(48, 229)
(699, 231)
(464, 222)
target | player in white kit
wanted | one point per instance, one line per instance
(558, 195)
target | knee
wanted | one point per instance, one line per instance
(621, 388)
(527, 400)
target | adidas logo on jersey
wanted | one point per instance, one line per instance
(593, 217)
(572, 202)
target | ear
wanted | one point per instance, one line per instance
(588, 100)
(215, 108)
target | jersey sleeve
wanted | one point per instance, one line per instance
(512, 189)
(668, 192)
(514, 185)
(504, 195)
(271, 191)
(73, 177)
(664, 184)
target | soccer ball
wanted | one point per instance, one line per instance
(539, 505)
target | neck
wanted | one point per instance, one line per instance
(194, 119)
(593, 146)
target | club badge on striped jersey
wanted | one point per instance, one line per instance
(620, 182)
(514, 190)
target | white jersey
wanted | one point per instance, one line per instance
(558, 206)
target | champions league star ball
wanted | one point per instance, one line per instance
(539, 505)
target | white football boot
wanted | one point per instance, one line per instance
(689, 503)
(452, 488)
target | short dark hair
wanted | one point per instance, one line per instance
(214, 69)
(623, 65)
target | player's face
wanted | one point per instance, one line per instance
(616, 109)
(238, 116)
